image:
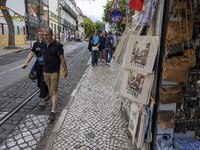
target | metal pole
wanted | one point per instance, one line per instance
(59, 20)
(159, 60)
(28, 24)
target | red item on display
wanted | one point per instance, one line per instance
(136, 4)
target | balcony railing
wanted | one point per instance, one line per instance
(68, 9)
(45, 2)
(54, 16)
(67, 24)
(36, 22)
(39, 2)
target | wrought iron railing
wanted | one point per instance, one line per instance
(68, 9)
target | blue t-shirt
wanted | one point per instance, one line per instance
(95, 40)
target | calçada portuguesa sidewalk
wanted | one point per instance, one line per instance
(94, 120)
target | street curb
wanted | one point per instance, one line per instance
(58, 125)
(14, 51)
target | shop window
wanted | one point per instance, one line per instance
(52, 25)
(24, 30)
(21, 30)
(16, 30)
(2, 29)
(5, 29)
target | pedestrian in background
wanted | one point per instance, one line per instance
(102, 46)
(37, 51)
(93, 47)
(109, 41)
(53, 55)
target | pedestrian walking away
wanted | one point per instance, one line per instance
(93, 47)
(53, 57)
(37, 51)
(109, 47)
(102, 46)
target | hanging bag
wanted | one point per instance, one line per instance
(175, 71)
(182, 29)
(170, 95)
(166, 119)
(189, 57)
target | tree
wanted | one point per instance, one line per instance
(11, 29)
(89, 26)
(99, 25)
(106, 15)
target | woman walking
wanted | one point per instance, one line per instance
(37, 51)
(93, 46)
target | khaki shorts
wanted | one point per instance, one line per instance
(51, 80)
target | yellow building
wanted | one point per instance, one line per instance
(17, 11)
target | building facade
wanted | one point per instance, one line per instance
(17, 12)
(68, 19)
(80, 33)
(53, 16)
(61, 15)
(37, 15)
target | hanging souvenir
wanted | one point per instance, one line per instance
(141, 53)
(140, 134)
(133, 120)
(137, 87)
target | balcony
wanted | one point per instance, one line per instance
(68, 9)
(44, 2)
(39, 2)
(53, 16)
(67, 24)
(36, 22)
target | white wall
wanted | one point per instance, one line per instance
(53, 6)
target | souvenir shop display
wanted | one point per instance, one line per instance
(181, 64)
(137, 51)
(137, 87)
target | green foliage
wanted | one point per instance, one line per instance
(99, 25)
(90, 26)
(107, 11)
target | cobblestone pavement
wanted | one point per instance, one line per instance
(29, 128)
(94, 120)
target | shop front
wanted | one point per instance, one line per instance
(160, 75)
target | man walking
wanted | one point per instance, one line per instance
(109, 41)
(53, 56)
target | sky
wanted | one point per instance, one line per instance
(92, 8)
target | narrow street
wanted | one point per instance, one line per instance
(28, 127)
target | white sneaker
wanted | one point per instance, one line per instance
(42, 103)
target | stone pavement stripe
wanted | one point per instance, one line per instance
(27, 134)
(94, 120)
(61, 118)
